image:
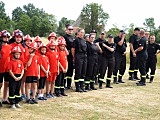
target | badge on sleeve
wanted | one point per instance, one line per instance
(19, 65)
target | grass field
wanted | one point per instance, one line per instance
(124, 102)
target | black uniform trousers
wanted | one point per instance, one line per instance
(59, 84)
(80, 69)
(108, 64)
(133, 69)
(92, 66)
(69, 74)
(151, 63)
(120, 65)
(14, 90)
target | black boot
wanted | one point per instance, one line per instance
(69, 82)
(131, 76)
(57, 92)
(62, 92)
(115, 80)
(87, 87)
(82, 86)
(147, 76)
(100, 84)
(120, 79)
(135, 76)
(92, 86)
(151, 79)
(78, 87)
(108, 84)
(142, 82)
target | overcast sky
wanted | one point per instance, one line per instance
(121, 12)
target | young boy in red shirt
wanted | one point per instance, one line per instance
(44, 70)
(52, 55)
(27, 41)
(16, 71)
(5, 51)
(63, 66)
(32, 73)
(52, 36)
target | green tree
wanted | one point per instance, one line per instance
(35, 27)
(24, 24)
(62, 25)
(114, 31)
(17, 13)
(2, 11)
(93, 17)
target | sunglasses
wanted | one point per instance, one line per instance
(70, 29)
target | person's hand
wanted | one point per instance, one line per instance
(134, 54)
(64, 71)
(32, 54)
(124, 35)
(124, 53)
(49, 73)
(16, 79)
(38, 76)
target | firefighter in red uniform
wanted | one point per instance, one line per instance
(16, 71)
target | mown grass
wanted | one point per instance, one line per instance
(123, 102)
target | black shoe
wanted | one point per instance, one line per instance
(121, 81)
(5, 102)
(29, 101)
(64, 94)
(93, 88)
(116, 82)
(40, 98)
(59, 95)
(34, 101)
(109, 86)
(150, 81)
(100, 87)
(84, 90)
(79, 90)
(130, 78)
(141, 84)
(44, 98)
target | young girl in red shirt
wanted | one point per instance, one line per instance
(53, 57)
(32, 73)
(63, 66)
(44, 70)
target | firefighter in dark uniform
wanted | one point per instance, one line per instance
(142, 55)
(69, 41)
(79, 53)
(133, 42)
(152, 49)
(100, 40)
(92, 62)
(120, 57)
(108, 61)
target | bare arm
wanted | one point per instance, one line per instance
(100, 50)
(109, 48)
(73, 52)
(139, 49)
(120, 43)
(30, 60)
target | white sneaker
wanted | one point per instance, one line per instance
(18, 106)
(13, 106)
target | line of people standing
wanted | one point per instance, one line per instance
(53, 65)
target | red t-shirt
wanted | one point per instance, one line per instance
(22, 49)
(5, 58)
(62, 59)
(16, 66)
(45, 63)
(26, 53)
(32, 70)
(53, 60)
